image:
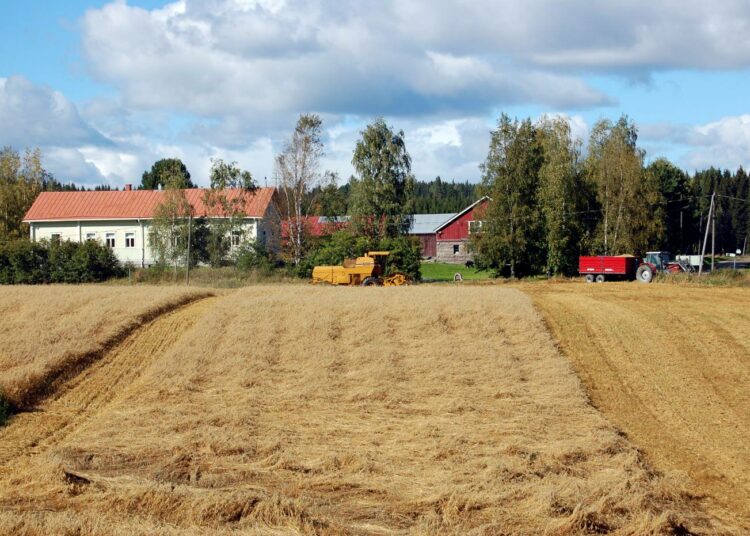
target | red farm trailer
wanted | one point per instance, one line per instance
(602, 267)
(627, 267)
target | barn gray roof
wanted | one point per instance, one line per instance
(427, 223)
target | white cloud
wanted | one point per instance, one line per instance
(255, 59)
(32, 115)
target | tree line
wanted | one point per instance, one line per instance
(552, 203)
(551, 200)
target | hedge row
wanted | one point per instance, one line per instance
(31, 263)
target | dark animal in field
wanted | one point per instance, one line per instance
(469, 264)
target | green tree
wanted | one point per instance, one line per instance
(510, 234)
(168, 232)
(382, 195)
(680, 219)
(22, 177)
(562, 195)
(166, 171)
(225, 203)
(632, 219)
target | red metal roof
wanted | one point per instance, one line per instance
(131, 204)
(316, 226)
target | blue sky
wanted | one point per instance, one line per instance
(106, 88)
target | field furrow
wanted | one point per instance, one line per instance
(77, 401)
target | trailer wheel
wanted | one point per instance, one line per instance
(589, 278)
(644, 274)
(600, 278)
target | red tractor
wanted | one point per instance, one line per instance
(628, 268)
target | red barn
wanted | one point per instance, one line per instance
(452, 237)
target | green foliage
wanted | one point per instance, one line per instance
(254, 257)
(405, 257)
(332, 250)
(30, 263)
(630, 199)
(166, 173)
(563, 196)
(21, 179)
(24, 262)
(226, 212)
(509, 242)
(382, 195)
(169, 229)
(440, 197)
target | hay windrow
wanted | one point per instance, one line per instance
(310, 410)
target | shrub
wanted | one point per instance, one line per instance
(254, 257)
(25, 262)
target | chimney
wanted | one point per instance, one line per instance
(128, 187)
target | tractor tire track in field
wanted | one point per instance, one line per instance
(674, 378)
(76, 401)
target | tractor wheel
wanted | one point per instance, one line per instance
(370, 282)
(600, 278)
(589, 278)
(457, 277)
(644, 274)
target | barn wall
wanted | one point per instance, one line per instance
(446, 251)
(458, 229)
(429, 246)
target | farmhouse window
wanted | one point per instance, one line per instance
(110, 237)
(129, 240)
(90, 237)
(55, 237)
(236, 238)
(475, 226)
(456, 249)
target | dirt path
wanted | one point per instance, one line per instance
(81, 398)
(671, 367)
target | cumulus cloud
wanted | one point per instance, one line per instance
(724, 143)
(255, 58)
(32, 115)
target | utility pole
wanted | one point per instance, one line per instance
(190, 233)
(705, 237)
(713, 241)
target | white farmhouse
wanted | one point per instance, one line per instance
(121, 219)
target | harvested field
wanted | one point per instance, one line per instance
(48, 332)
(669, 365)
(337, 411)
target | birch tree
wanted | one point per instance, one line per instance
(22, 177)
(383, 192)
(562, 194)
(297, 173)
(225, 203)
(629, 198)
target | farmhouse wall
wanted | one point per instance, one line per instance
(139, 253)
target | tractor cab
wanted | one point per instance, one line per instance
(660, 259)
(376, 259)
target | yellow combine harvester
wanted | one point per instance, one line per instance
(365, 271)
